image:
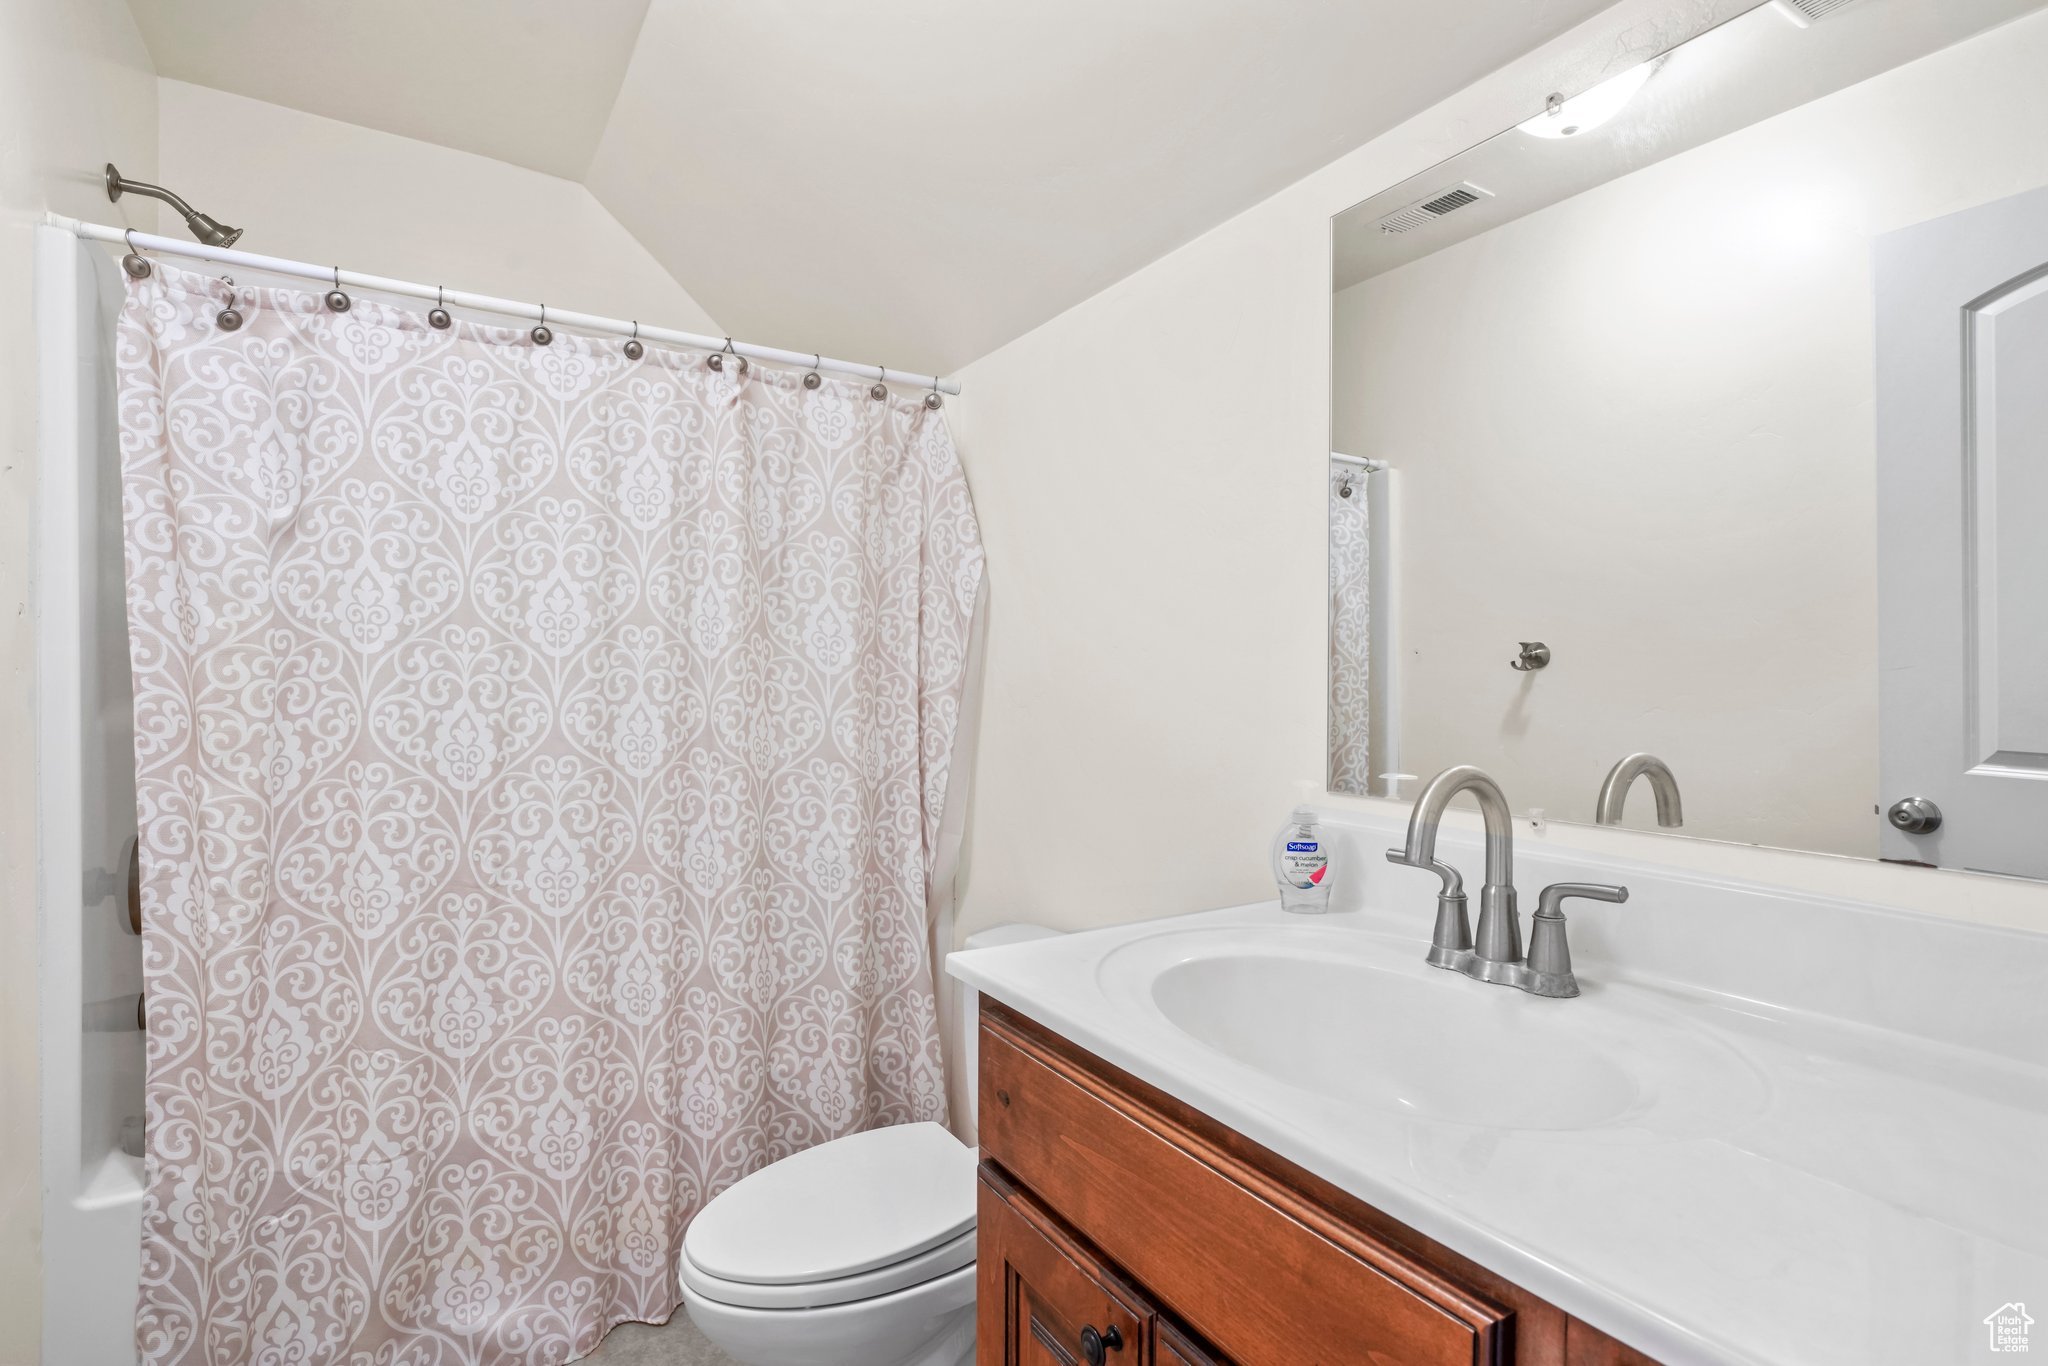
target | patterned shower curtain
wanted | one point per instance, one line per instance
(540, 761)
(1350, 631)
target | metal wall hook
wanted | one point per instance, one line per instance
(542, 335)
(814, 379)
(633, 349)
(337, 299)
(437, 316)
(1535, 655)
(135, 263)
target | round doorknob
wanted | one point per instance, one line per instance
(1096, 1346)
(1915, 815)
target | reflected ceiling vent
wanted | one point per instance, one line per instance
(1804, 12)
(1436, 206)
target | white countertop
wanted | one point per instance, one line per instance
(1846, 1192)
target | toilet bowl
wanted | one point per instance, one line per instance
(858, 1252)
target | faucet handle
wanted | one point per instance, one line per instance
(1554, 895)
(1550, 956)
(1450, 942)
(1453, 880)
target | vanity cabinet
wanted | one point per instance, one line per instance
(1119, 1227)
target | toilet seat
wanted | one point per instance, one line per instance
(929, 1265)
(856, 1218)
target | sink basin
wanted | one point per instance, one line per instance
(1355, 1032)
(1359, 1019)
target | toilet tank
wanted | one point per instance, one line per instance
(969, 1013)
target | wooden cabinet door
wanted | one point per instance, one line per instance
(1041, 1299)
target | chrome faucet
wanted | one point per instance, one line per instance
(1496, 955)
(1499, 945)
(1614, 792)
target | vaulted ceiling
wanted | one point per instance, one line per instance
(909, 181)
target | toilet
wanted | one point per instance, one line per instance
(858, 1252)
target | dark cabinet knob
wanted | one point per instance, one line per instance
(1096, 1346)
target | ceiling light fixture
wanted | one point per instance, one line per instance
(1569, 118)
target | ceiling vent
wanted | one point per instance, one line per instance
(1804, 12)
(1437, 205)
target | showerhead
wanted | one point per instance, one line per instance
(202, 226)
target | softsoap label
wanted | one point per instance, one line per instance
(1303, 863)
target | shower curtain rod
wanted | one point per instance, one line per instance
(485, 303)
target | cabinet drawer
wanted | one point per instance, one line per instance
(1253, 1266)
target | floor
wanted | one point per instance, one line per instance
(675, 1343)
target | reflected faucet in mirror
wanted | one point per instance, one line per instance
(1614, 792)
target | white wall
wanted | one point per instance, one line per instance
(76, 90)
(1148, 468)
(315, 189)
(1638, 426)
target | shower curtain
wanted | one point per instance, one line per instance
(1350, 631)
(541, 758)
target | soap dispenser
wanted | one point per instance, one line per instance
(1301, 864)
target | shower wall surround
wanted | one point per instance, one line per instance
(542, 759)
(76, 88)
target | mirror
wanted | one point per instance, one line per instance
(1704, 415)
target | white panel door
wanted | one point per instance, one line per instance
(1962, 460)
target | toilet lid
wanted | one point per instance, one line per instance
(857, 1203)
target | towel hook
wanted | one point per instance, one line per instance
(814, 379)
(337, 299)
(135, 263)
(542, 334)
(634, 350)
(437, 316)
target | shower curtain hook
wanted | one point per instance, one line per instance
(717, 361)
(336, 299)
(880, 388)
(229, 319)
(634, 350)
(437, 316)
(135, 263)
(932, 399)
(814, 379)
(541, 334)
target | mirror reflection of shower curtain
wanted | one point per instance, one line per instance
(1350, 630)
